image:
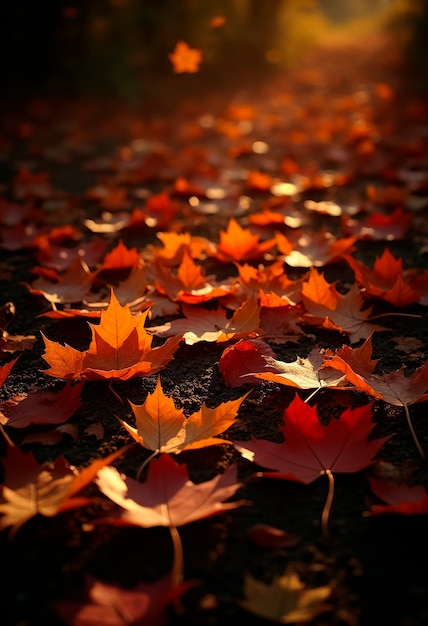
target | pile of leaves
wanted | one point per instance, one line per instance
(208, 319)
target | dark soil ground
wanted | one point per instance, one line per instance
(376, 565)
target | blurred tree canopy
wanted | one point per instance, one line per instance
(121, 47)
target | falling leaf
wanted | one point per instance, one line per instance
(217, 21)
(120, 349)
(285, 600)
(184, 58)
(164, 428)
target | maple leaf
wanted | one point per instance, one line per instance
(168, 497)
(162, 427)
(120, 348)
(316, 250)
(121, 257)
(143, 605)
(311, 449)
(30, 488)
(213, 326)
(41, 407)
(304, 373)
(379, 226)
(270, 278)
(240, 360)
(401, 499)
(5, 370)
(189, 283)
(239, 244)
(330, 309)
(285, 600)
(71, 286)
(394, 387)
(184, 58)
(175, 245)
(388, 281)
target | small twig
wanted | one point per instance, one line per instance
(144, 463)
(327, 506)
(114, 392)
(412, 432)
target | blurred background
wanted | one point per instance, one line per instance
(120, 48)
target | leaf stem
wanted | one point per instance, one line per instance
(177, 573)
(311, 395)
(375, 317)
(116, 395)
(412, 431)
(144, 463)
(327, 506)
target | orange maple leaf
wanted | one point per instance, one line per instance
(162, 427)
(214, 326)
(189, 284)
(239, 244)
(328, 308)
(185, 59)
(394, 387)
(270, 279)
(120, 349)
(73, 285)
(30, 488)
(389, 281)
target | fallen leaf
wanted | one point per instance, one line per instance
(30, 488)
(120, 349)
(285, 600)
(213, 325)
(162, 427)
(41, 407)
(310, 449)
(266, 536)
(328, 308)
(401, 499)
(239, 244)
(112, 605)
(168, 497)
(389, 281)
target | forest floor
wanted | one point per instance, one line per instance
(346, 108)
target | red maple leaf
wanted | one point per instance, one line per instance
(310, 449)
(168, 497)
(402, 499)
(112, 605)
